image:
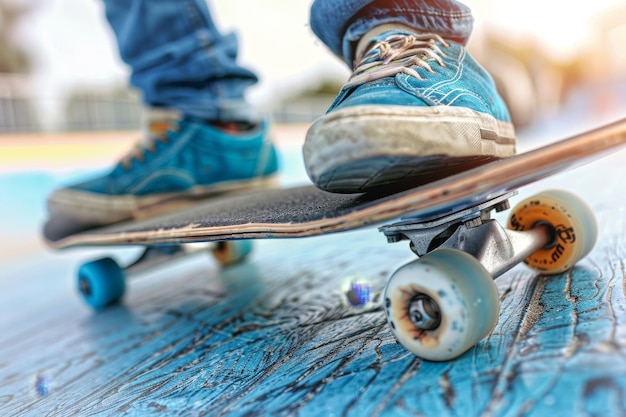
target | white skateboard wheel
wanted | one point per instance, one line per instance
(442, 304)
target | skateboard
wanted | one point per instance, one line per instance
(439, 305)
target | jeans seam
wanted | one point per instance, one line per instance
(454, 15)
(195, 19)
(193, 15)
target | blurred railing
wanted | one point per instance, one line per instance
(25, 110)
(17, 108)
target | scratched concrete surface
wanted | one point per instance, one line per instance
(277, 335)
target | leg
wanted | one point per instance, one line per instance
(417, 107)
(178, 58)
(179, 62)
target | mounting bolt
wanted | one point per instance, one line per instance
(502, 206)
(472, 223)
(394, 238)
(424, 313)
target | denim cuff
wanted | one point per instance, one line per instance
(448, 18)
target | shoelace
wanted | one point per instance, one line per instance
(138, 151)
(397, 54)
(161, 134)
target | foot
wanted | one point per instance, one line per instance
(417, 108)
(192, 161)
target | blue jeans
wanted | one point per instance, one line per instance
(179, 59)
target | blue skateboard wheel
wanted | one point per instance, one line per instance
(101, 282)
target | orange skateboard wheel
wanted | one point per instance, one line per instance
(231, 252)
(573, 222)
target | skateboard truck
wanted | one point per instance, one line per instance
(473, 231)
(445, 302)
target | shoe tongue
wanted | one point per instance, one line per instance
(386, 34)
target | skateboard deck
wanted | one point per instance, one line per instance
(308, 211)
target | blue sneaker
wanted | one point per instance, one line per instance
(195, 160)
(417, 108)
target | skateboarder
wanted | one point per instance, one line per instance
(415, 95)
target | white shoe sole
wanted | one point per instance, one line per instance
(367, 147)
(98, 209)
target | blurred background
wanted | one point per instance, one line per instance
(66, 107)
(60, 71)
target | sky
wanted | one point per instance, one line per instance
(75, 46)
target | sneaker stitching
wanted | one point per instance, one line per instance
(154, 176)
(437, 88)
(431, 92)
(181, 142)
(451, 80)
